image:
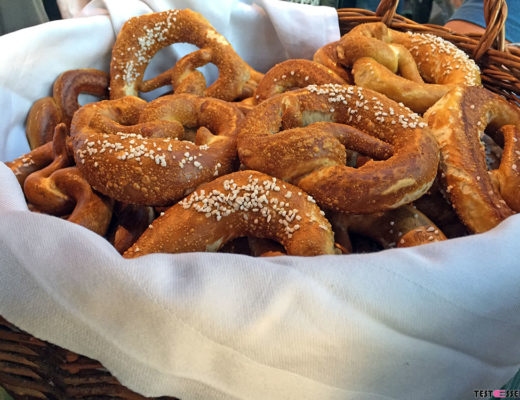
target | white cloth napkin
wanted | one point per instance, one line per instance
(436, 321)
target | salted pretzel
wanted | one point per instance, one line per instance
(30, 162)
(312, 155)
(60, 189)
(48, 112)
(244, 203)
(328, 56)
(375, 53)
(292, 74)
(403, 227)
(142, 37)
(122, 116)
(482, 199)
(141, 168)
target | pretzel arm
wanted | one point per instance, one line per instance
(163, 79)
(508, 173)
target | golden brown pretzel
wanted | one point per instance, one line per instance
(291, 74)
(507, 176)
(138, 169)
(419, 97)
(123, 116)
(91, 210)
(39, 187)
(59, 189)
(33, 161)
(403, 227)
(244, 203)
(457, 122)
(328, 56)
(416, 56)
(48, 112)
(142, 37)
(314, 157)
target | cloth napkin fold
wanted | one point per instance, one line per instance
(435, 321)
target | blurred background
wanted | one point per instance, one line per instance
(18, 14)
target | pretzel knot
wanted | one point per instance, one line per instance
(328, 56)
(313, 156)
(481, 198)
(121, 146)
(292, 74)
(244, 203)
(376, 53)
(142, 37)
(60, 189)
(48, 112)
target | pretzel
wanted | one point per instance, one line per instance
(48, 112)
(293, 74)
(122, 116)
(314, 157)
(138, 168)
(403, 227)
(328, 56)
(59, 189)
(419, 97)
(457, 121)
(416, 56)
(30, 162)
(39, 187)
(142, 37)
(244, 203)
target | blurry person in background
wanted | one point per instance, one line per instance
(416, 10)
(458, 15)
(469, 18)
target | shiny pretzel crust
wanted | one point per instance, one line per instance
(313, 157)
(244, 203)
(48, 112)
(457, 121)
(328, 56)
(142, 37)
(131, 164)
(60, 189)
(290, 74)
(376, 53)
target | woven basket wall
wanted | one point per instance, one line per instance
(33, 369)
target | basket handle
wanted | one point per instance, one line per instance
(386, 10)
(495, 14)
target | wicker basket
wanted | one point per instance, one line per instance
(33, 369)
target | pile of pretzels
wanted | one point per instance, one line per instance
(385, 139)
